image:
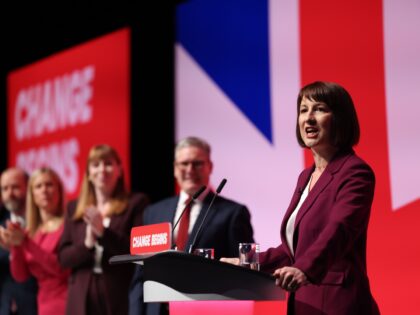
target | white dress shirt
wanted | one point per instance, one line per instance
(195, 210)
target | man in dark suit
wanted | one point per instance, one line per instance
(14, 295)
(227, 224)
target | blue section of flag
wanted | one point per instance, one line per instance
(229, 39)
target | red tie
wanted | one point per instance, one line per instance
(182, 237)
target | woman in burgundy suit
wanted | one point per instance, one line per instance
(322, 258)
(98, 227)
(34, 252)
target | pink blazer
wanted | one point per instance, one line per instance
(38, 257)
(330, 240)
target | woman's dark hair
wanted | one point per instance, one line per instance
(345, 130)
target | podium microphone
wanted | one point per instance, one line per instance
(194, 197)
(218, 190)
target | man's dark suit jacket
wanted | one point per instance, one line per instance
(24, 293)
(227, 224)
(75, 255)
(330, 240)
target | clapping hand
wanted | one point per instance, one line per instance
(93, 218)
(13, 235)
(3, 239)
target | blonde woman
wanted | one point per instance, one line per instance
(34, 251)
(97, 227)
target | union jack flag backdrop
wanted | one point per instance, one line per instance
(239, 67)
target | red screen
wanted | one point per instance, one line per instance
(60, 106)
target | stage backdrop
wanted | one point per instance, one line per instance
(239, 67)
(62, 105)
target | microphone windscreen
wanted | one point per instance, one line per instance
(221, 185)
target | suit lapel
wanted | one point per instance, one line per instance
(302, 182)
(325, 179)
(213, 210)
(323, 182)
(169, 214)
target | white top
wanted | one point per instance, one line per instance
(290, 227)
(99, 249)
(195, 210)
(17, 219)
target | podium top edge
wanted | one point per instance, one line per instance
(128, 258)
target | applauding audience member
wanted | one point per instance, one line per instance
(98, 227)
(34, 250)
(14, 296)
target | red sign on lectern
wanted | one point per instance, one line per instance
(151, 238)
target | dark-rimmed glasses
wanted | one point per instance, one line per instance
(197, 164)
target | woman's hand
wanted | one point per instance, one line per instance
(233, 261)
(90, 238)
(93, 218)
(290, 278)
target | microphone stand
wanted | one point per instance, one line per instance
(194, 197)
(218, 190)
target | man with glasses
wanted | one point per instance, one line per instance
(227, 224)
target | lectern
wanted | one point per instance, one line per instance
(177, 276)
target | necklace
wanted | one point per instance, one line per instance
(51, 224)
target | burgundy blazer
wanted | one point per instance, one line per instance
(330, 240)
(116, 241)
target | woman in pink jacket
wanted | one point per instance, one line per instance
(34, 250)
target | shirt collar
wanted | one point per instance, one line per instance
(183, 196)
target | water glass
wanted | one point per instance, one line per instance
(248, 255)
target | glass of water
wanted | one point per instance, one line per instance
(248, 255)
